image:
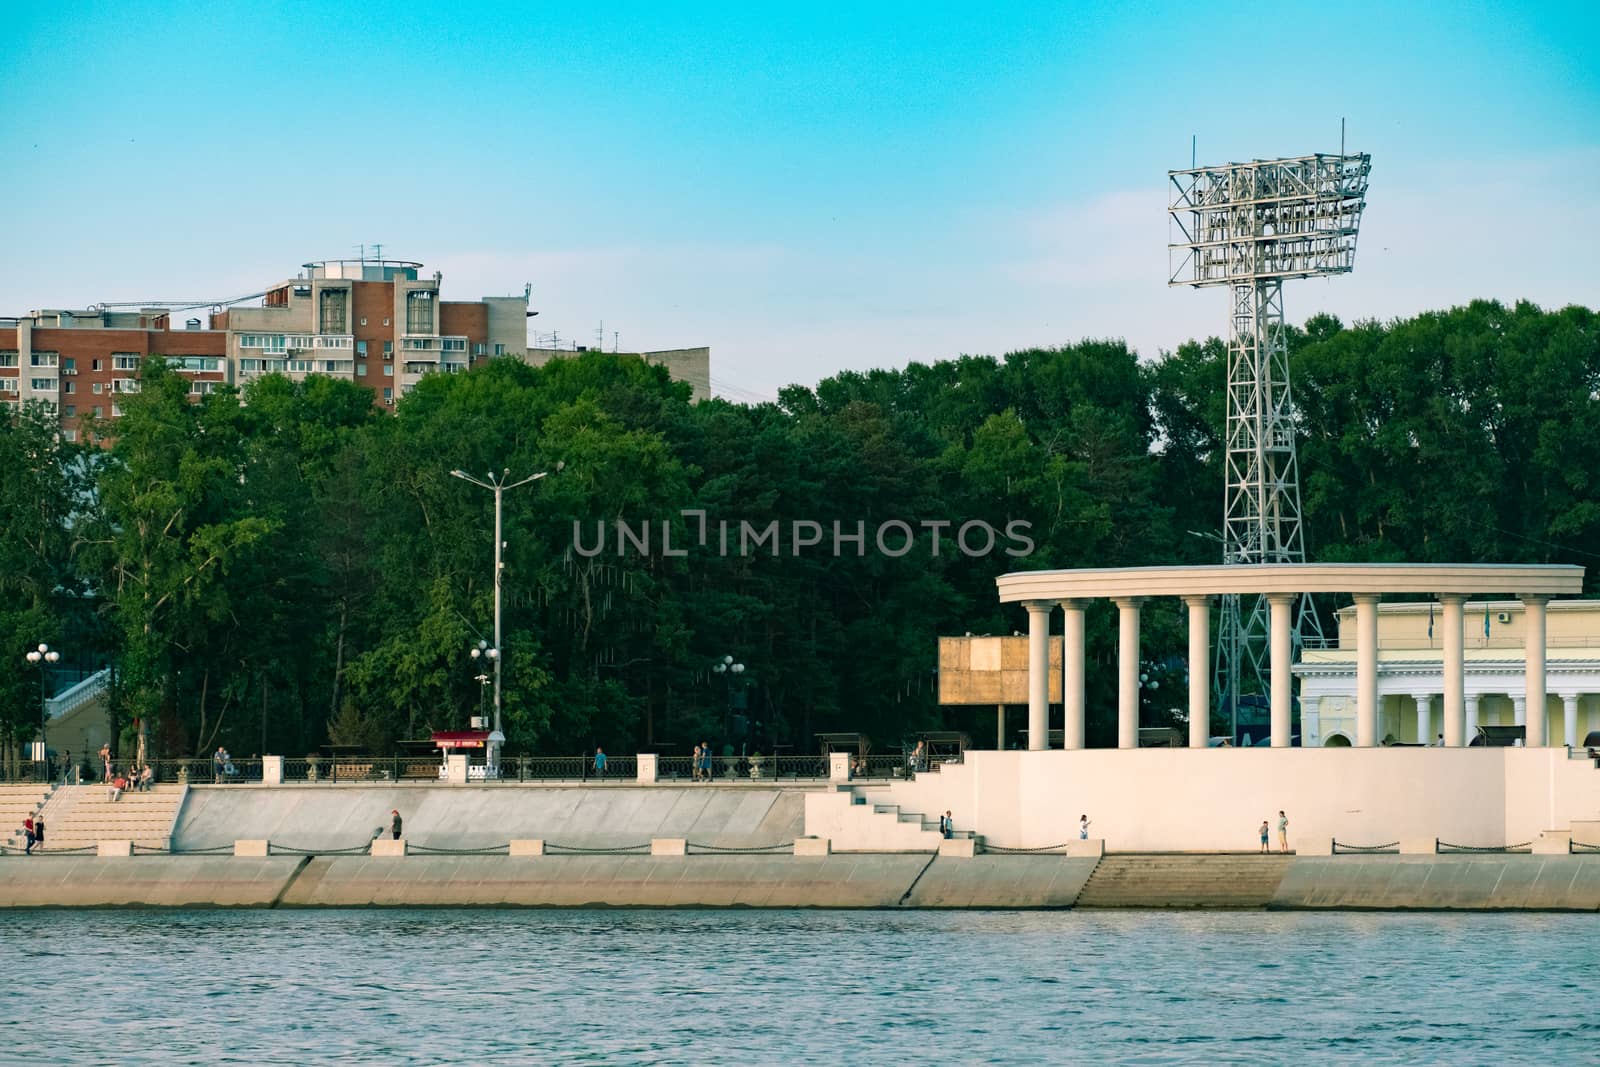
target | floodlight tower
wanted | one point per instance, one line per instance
(1250, 227)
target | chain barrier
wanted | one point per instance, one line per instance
(744, 850)
(1022, 851)
(1584, 846)
(1446, 847)
(620, 850)
(149, 850)
(286, 850)
(1340, 847)
(38, 850)
(215, 850)
(488, 850)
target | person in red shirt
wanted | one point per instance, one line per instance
(27, 831)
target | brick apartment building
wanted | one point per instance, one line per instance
(379, 323)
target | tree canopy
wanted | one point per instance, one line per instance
(297, 568)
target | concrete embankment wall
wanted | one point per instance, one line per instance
(314, 817)
(862, 880)
(1468, 882)
(853, 881)
(147, 881)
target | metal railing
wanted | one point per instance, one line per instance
(566, 768)
(331, 770)
(201, 770)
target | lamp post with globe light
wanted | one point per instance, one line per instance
(39, 657)
(727, 667)
(482, 652)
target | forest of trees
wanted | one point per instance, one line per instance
(303, 568)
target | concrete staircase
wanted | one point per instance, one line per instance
(855, 823)
(17, 802)
(80, 816)
(1184, 880)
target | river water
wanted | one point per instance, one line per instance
(795, 987)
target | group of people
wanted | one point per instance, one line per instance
(1283, 833)
(700, 763)
(140, 779)
(33, 830)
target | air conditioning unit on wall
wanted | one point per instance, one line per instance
(1504, 616)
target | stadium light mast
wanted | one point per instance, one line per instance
(1251, 227)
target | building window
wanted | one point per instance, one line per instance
(124, 361)
(94, 387)
(388, 348)
(388, 370)
(46, 359)
(361, 348)
(68, 363)
(386, 322)
(8, 385)
(42, 385)
(361, 370)
(116, 411)
(69, 435)
(196, 362)
(71, 410)
(499, 350)
(69, 387)
(94, 364)
(8, 359)
(333, 310)
(363, 320)
(202, 388)
(419, 311)
(388, 393)
(99, 411)
(454, 344)
(124, 385)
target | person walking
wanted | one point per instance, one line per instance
(66, 766)
(947, 825)
(1083, 828)
(705, 761)
(599, 762)
(1283, 832)
(38, 831)
(1264, 832)
(27, 832)
(395, 824)
(694, 765)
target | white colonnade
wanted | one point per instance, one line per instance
(1041, 592)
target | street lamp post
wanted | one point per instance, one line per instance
(483, 651)
(39, 657)
(727, 666)
(498, 486)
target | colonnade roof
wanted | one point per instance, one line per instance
(1433, 579)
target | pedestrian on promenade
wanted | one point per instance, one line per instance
(38, 831)
(1083, 828)
(1264, 832)
(694, 765)
(599, 762)
(66, 766)
(395, 824)
(27, 832)
(947, 825)
(105, 762)
(1283, 832)
(705, 761)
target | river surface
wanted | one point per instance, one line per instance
(795, 987)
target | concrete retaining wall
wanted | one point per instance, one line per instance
(333, 817)
(1569, 883)
(151, 881)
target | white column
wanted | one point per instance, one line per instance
(1282, 615)
(1072, 674)
(1199, 670)
(1471, 704)
(1454, 679)
(1366, 670)
(1038, 674)
(1424, 718)
(1128, 671)
(1569, 705)
(1519, 713)
(1533, 616)
(1000, 727)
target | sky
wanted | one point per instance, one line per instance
(806, 189)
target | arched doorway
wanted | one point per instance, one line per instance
(1336, 740)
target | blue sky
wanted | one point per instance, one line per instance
(805, 189)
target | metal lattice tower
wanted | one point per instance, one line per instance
(1251, 226)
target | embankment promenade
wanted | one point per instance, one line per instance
(723, 845)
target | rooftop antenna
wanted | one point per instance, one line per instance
(377, 252)
(1251, 226)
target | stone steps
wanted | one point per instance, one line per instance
(79, 816)
(1184, 881)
